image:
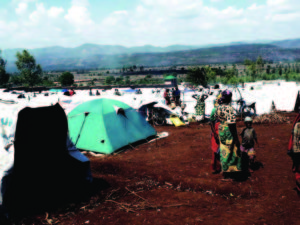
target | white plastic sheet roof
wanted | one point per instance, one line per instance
(283, 94)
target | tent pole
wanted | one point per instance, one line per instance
(85, 115)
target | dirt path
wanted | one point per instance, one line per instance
(169, 182)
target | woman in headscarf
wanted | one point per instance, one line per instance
(200, 106)
(215, 143)
(230, 153)
(294, 150)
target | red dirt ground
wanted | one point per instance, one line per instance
(170, 182)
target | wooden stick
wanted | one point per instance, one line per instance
(175, 205)
(132, 192)
(164, 206)
(112, 192)
(131, 146)
(121, 205)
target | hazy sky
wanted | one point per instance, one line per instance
(70, 23)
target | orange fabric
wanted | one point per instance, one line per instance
(215, 162)
(214, 145)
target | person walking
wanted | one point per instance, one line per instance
(230, 153)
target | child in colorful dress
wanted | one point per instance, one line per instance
(248, 139)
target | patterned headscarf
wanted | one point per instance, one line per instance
(226, 97)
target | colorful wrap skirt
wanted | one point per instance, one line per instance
(230, 161)
(200, 109)
(215, 163)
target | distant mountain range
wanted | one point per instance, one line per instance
(90, 56)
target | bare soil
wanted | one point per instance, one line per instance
(169, 181)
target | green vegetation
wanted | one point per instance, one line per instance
(197, 76)
(47, 82)
(29, 71)
(66, 79)
(251, 71)
(248, 70)
(111, 80)
(4, 76)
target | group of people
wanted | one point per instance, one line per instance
(228, 155)
(172, 97)
(70, 92)
(117, 92)
(91, 93)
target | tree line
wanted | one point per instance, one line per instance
(252, 71)
(31, 74)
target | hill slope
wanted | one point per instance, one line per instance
(90, 56)
(294, 43)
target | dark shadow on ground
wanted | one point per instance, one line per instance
(256, 166)
(237, 176)
(68, 201)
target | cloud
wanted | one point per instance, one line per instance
(156, 22)
(38, 14)
(78, 15)
(83, 3)
(26, 1)
(22, 7)
(54, 12)
(286, 6)
(284, 17)
(276, 2)
(255, 7)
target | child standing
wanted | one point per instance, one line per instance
(247, 148)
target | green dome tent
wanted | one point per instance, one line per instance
(170, 77)
(171, 80)
(106, 125)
